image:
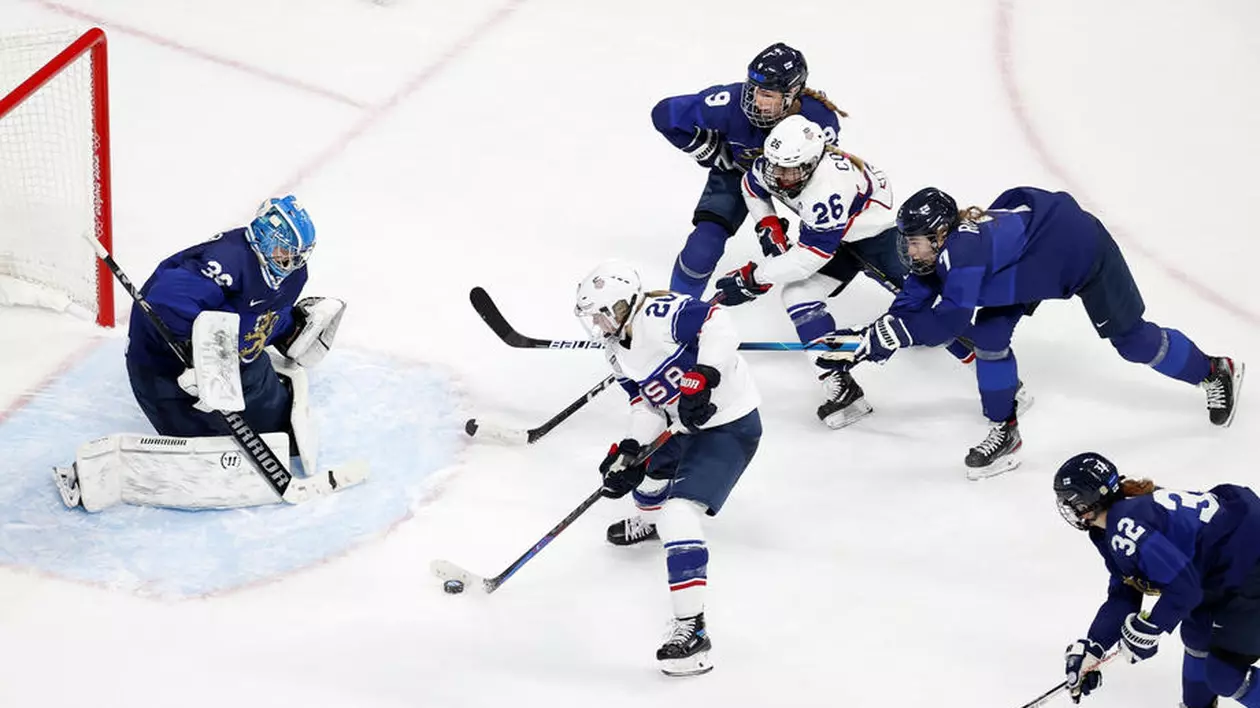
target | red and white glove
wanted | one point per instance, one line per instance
(772, 233)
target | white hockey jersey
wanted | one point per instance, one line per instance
(668, 335)
(844, 199)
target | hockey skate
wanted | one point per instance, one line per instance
(996, 454)
(686, 649)
(845, 402)
(1222, 386)
(67, 480)
(630, 531)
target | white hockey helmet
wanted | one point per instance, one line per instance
(793, 150)
(607, 297)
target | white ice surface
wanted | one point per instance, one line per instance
(508, 144)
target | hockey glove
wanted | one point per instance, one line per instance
(1139, 639)
(1079, 657)
(740, 286)
(694, 407)
(619, 476)
(315, 323)
(772, 232)
(710, 150)
(883, 337)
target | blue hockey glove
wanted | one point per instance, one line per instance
(740, 286)
(1079, 657)
(1139, 639)
(710, 150)
(772, 233)
(619, 476)
(694, 407)
(883, 337)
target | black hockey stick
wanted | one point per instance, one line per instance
(1048, 695)
(447, 570)
(490, 313)
(263, 458)
(515, 435)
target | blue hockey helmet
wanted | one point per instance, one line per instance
(776, 77)
(923, 215)
(282, 236)
(1086, 484)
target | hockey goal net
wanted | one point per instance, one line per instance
(54, 172)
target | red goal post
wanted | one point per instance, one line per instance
(55, 172)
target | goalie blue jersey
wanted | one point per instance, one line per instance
(222, 274)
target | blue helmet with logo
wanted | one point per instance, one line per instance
(282, 236)
(776, 77)
(1086, 483)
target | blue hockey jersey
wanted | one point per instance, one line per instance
(718, 108)
(222, 274)
(1031, 245)
(1190, 548)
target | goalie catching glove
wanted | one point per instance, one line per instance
(315, 323)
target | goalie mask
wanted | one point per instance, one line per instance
(606, 299)
(793, 150)
(282, 237)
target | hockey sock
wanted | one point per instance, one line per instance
(686, 554)
(1168, 351)
(698, 258)
(811, 320)
(1195, 692)
(961, 351)
(1230, 681)
(997, 376)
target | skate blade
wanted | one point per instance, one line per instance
(848, 415)
(1239, 367)
(693, 665)
(1001, 465)
(70, 495)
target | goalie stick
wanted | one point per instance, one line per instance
(290, 489)
(447, 570)
(489, 312)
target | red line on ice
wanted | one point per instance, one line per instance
(418, 80)
(1015, 99)
(159, 40)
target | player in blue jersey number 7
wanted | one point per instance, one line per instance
(977, 272)
(1198, 551)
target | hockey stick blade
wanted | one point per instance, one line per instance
(515, 435)
(447, 570)
(304, 489)
(490, 314)
(489, 431)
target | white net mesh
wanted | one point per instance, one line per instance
(47, 179)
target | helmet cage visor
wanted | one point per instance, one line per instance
(918, 252)
(765, 106)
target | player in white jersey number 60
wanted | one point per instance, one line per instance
(676, 358)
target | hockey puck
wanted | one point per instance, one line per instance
(471, 427)
(453, 587)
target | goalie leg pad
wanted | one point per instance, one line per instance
(304, 428)
(181, 473)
